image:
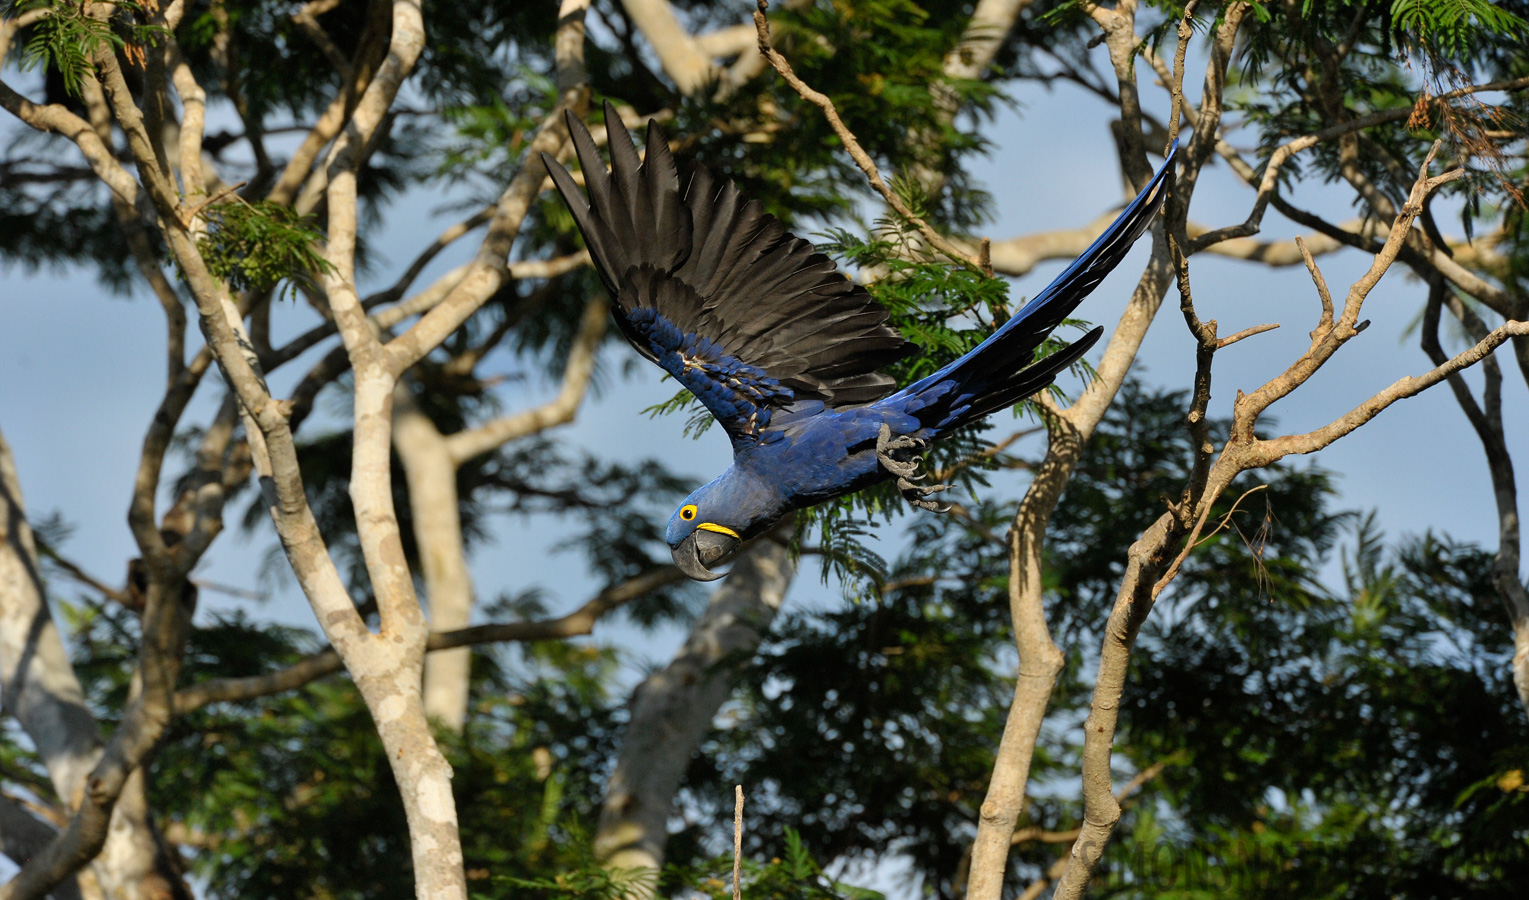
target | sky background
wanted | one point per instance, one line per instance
(81, 372)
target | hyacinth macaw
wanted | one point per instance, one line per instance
(782, 349)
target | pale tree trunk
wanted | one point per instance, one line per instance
(1040, 659)
(673, 708)
(430, 461)
(38, 686)
(682, 58)
(433, 504)
(386, 666)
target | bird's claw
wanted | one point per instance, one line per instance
(907, 470)
(918, 495)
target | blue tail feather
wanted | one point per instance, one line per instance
(999, 372)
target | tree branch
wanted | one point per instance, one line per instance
(578, 623)
(465, 445)
(1156, 552)
(22, 835)
(978, 262)
(678, 52)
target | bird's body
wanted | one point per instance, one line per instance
(782, 349)
(806, 462)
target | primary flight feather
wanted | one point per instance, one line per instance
(782, 349)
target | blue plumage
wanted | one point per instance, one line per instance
(782, 349)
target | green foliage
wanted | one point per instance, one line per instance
(1373, 746)
(1455, 24)
(794, 875)
(69, 36)
(258, 245)
(588, 881)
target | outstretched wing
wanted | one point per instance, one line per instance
(748, 317)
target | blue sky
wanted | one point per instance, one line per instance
(82, 373)
(84, 369)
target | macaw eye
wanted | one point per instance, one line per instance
(687, 512)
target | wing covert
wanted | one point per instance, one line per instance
(748, 317)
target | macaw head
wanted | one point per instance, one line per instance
(702, 532)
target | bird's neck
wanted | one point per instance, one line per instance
(754, 501)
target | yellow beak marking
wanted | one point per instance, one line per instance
(719, 529)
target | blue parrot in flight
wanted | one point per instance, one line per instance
(784, 350)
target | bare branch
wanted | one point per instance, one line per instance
(991, 22)
(465, 445)
(448, 237)
(1162, 547)
(57, 119)
(1487, 421)
(1409, 386)
(22, 835)
(1246, 333)
(488, 271)
(578, 623)
(9, 27)
(193, 121)
(1325, 323)
(307, 19)
(1335, 335)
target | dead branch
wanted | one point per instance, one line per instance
(1487, 421)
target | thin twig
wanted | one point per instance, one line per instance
(1326, 321)
(1194, 540)
(737, 839)
(230, 590)
(190, 215)
(327, 662)
(1245, 333)
(978, 262)
(78, 574)
(1186, 31)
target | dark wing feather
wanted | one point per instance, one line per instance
(750, 318)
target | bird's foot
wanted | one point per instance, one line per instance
(906, 470)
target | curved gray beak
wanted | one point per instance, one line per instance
(702, 549)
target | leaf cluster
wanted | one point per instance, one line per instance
(71, 35)
(257, 245)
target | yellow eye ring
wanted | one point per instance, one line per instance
(687, 512)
